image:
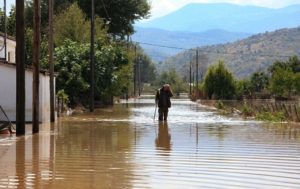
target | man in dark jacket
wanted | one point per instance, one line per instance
(162, 99)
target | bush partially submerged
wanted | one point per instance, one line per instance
(269, 116)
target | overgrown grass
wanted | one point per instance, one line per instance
(269, 116)
(220, 105)
(247, 111)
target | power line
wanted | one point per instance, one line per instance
(214, 52)
(164, 46)
(105, 10)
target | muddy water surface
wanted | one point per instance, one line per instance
(123, 147)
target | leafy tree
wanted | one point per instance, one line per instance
(292, 63)
(72, 24)
(243, 88)
(147, 67)
(11, 22)
(219, 82)
(209, 82)
(258, 81)
(2, 17)
(112, 70)
(120, 14)
(110, 62)
(297, 82)
(29, 12)
(72, 61)
(282, 82)
(172, 78)
(61, 5)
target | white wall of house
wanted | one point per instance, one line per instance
(11, 48)
(8, 93)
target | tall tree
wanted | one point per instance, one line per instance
(72, 24)
(11, 22)
(120, 14)
(2, 17)
(258, 81)
(219, 83)
(282, 82)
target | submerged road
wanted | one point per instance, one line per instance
(123, 147)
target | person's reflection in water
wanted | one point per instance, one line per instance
(163, 139)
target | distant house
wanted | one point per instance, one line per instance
(11, 45)
(8, 86)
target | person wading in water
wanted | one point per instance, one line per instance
(162, 99)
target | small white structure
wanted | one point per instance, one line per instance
(11, 45)
(8, 87)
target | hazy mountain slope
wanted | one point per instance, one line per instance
(246, 19)
(243, 57)
(180, 39)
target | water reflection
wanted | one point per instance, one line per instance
(163, 139)
(18, 178)
(122, 147)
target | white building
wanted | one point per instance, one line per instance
(11, 45)
(8, 87)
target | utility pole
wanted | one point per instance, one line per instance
(139, 75)
(51, 64)
(197, 67)
(36, 66)
(20, 71)
(92, 58)
(134, 72)
(5, 32)
(190, 77)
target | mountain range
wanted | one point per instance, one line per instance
(152, 38)
(242, 57)
(198, 17)
(197, 25)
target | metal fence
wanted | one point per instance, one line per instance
(5, 123)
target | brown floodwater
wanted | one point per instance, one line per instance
(123, 147)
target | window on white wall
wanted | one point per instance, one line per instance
(8, 57)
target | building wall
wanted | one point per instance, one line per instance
(11, 48)
(8, 93)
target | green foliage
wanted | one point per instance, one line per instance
(243, 88)
(282, 82)
(29, 12)
(147, 67)
(63, 96)
(11, 22)
(71, 24)
(269, 116)
(29, 49)
(2, 17)
(219, 82)
(171, 77)
(297, 82)
(220, 105)
(120, 14)
(112, 70)
(247, 111)
(258, 82)
(292, 63)
(72, 62)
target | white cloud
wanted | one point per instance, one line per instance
(160, 7)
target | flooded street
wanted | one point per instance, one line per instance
(123, 147)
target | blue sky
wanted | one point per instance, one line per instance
(163, 7)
